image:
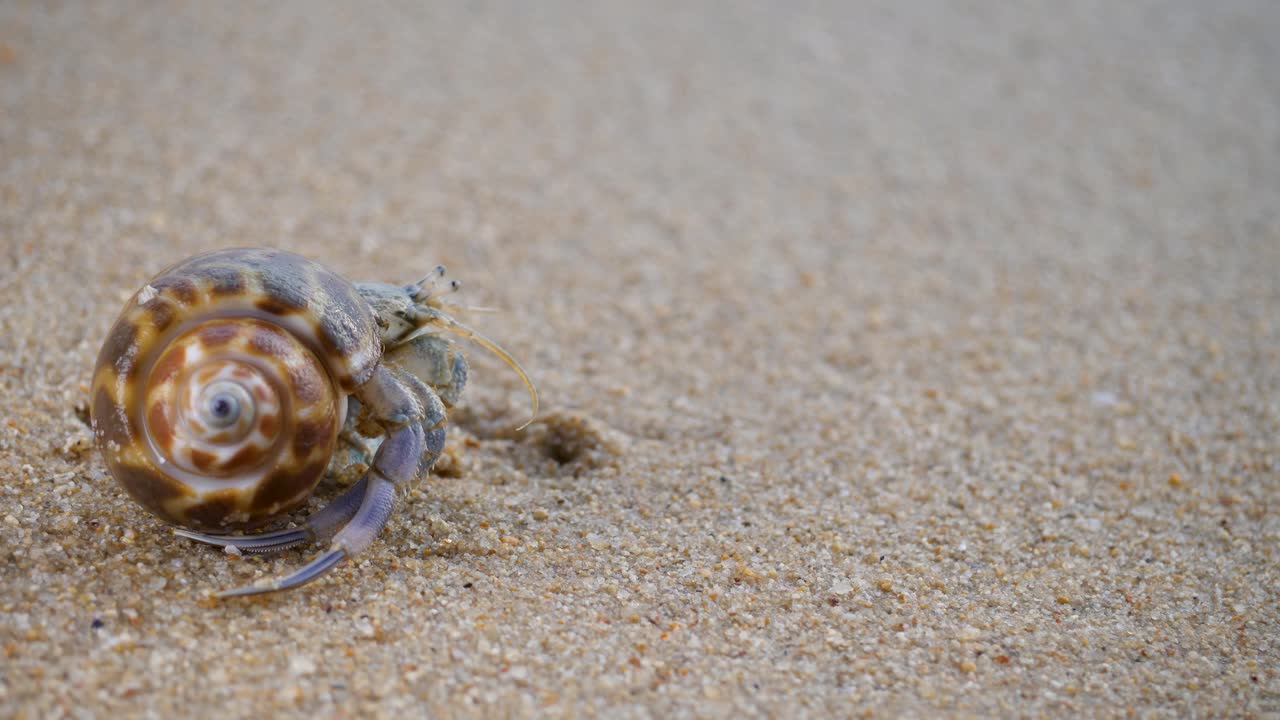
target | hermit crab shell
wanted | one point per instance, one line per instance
(219, 392)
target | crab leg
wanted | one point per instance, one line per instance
(379, 500)
(320, 525)
(411, 412)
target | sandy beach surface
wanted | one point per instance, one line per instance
(897, 359)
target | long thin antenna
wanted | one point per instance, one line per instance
(435, 316)
(470, 308)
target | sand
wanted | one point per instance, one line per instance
(897, 359)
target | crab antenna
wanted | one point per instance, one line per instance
(462, 330)
(469, 308)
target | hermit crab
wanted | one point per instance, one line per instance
(233, 381)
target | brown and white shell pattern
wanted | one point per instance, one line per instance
(221, 388)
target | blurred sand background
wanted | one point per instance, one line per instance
(897, 358)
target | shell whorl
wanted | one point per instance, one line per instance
(217, 398)
(280, 409)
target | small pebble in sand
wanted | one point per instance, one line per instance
(301, 665)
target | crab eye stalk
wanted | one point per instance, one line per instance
(421, 289)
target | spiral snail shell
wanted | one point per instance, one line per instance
(230, 381)
(220, 390)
